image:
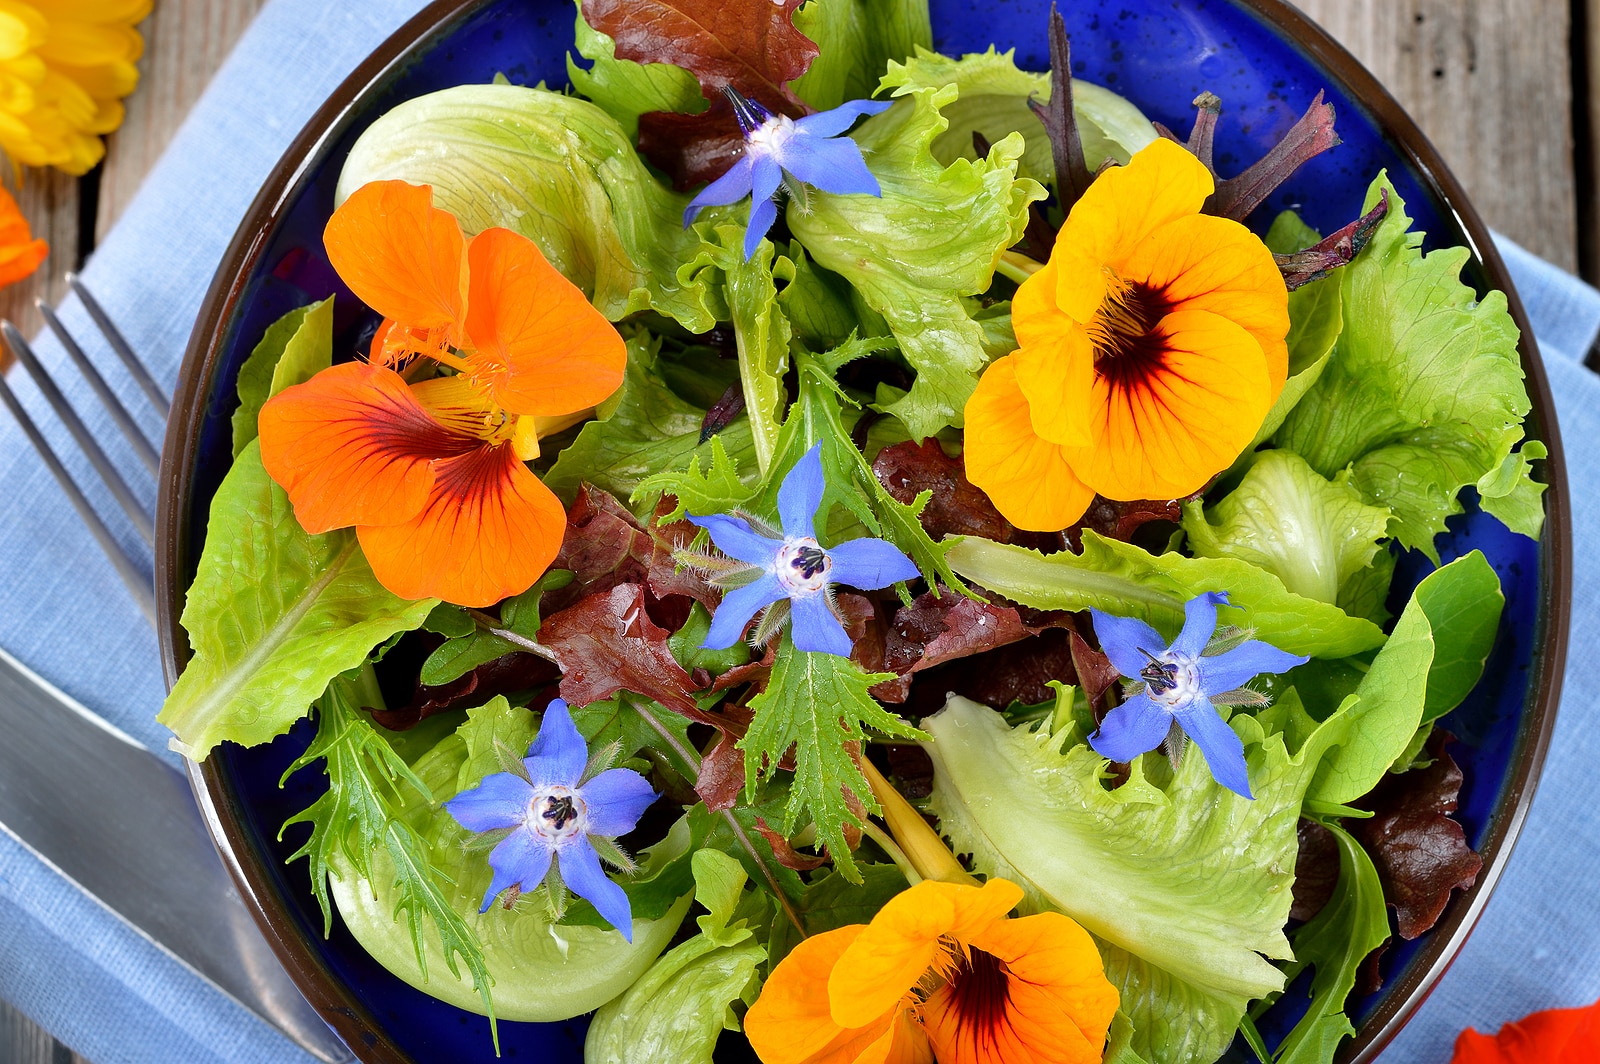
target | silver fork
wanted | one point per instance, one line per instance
(137, 578)
(122, 824)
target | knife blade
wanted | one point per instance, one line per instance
(123, 826)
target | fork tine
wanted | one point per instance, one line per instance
(120, 345)
(143, 590)
(119, 413)
(97, 458)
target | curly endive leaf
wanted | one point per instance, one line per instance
(273, 615)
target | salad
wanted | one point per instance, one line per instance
(884, 552)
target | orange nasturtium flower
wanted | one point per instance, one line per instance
(20, 251)
(432, 473)
(1150, 348)
(939, 974)
(1555, 1036)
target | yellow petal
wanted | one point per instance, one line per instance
(1161, 183)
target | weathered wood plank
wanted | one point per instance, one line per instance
(49, 200)
(22, 1042)
(185, 42)
(1489, 82)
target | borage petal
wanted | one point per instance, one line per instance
(353, 446)
(800, 494)
(540, 347)
(832, 123)
(735, 538)
(731, 187)
(558, 754)
(399, 254)
(581, 872)
(1126, 640)
(870, 564)
(615, 800)
(1223, 750)
(1136, 726)
(1199, 623)
(834, 166)
(521, 859)
(500, 801)
(1224, 672)
(1028, 478)
(488, 531)
(736, 609)
(816, 628)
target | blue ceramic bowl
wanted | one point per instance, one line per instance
(1263, 58)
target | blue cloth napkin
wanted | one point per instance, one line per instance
(116, 998)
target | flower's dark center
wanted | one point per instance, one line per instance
(803, 565)
(980, 993)
(1161, 676)
(556, 812)
(1127, 347)
(559, 811)
(750, 113)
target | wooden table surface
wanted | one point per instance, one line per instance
(1502, 87)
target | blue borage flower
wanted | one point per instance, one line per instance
(790, 573)
(779, 150)
(554, 814)
(1178, 687)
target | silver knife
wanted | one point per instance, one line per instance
(123, 826)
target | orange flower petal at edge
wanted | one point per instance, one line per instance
(399, 254)
(490, 528)
(1554, 1036)
(903, 942)
(551, 351)
(1054, 1007)
(1028, 478)
(353, 446)
(1172, 427)
(1205, 263)
(1161, 183)
(20, 253)
(1057, 380)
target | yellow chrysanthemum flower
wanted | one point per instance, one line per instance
(65, 66)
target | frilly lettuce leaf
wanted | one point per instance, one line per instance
(1312, 533)
(1126, 580)
(542, 971)
(917, 252)
(858, 39)
(678, 1008)
(994, 102)
(1186, 884)
(644, 429)
(556, 169)
(273, 615)
(1424, 393)
(625, 89)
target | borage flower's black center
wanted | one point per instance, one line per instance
(750, 113)
(1161, 676)
(803, 566)
(810, 561)
(1127, 347)
(559, 811)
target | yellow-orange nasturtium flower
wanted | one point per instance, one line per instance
(1150, 349)
(432, 474)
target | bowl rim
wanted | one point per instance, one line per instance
(219, 804)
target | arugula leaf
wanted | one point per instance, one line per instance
(1123, 579)
(355, 828)
(1312, 533)
(558, 170)
(294, 349)
(857, 40)
(1424, 393)
(626, 89)
(274, 614)
(1185, 883)
(817, 703)
(929, 241)
(678, 1008)
(1334, 942)
(541, 971)
(648, 430)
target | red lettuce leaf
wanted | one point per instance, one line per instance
(606, 546)
(607, 643)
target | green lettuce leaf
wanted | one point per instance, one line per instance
(625, 89)
(917, 252)
(1351, 925)
(1123, 579)
(1424, 393)
(645, 429)
(1510, 492)
(858, 39)
(1185, 884)
(994, 102)
(558, 170)
(1463, 609)
(541, 971)
(679, 1007)
(1312, 533)
(295, 348)
(273, 615)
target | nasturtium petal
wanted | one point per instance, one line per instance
(1125, 204)
(295, 348)
(400, 254)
